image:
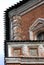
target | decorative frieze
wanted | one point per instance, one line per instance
(27, 49)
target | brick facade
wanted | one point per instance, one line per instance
(30, 17)
(20, 28)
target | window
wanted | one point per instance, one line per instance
(17, 52)
(40, 36)
(33, 52)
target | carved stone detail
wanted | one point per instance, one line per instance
(17, 28)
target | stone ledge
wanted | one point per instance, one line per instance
(27, 60)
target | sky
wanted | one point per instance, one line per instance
(4, 4)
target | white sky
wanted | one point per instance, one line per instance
(4, 4)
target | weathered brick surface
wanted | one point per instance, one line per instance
(30, 17)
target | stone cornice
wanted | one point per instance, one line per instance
(35, 25)
(27, 60)
(26, 7)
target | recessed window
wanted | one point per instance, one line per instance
(17, 52)
(33, 52)
(40, 36)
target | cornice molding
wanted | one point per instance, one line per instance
(25, 8)
(35, 24)
(23, 60)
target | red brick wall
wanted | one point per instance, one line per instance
(30, 17)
